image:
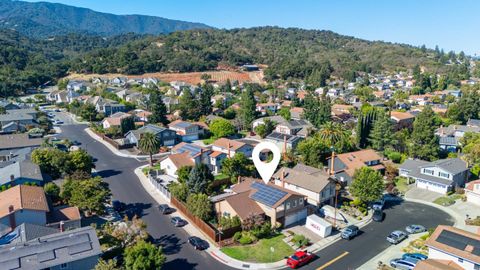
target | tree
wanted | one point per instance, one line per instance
(424, 143)
(313, 151)
(247, 113)
(199, 205)
(368, 115)
(471, 148)
(106, 265)
(82, 161)
(157, 108)
(285, 113)
(206, 99)
(317, 110)
(52, 190)
(252, 221)
(89, 195)
(127, 124)
(332, 133)
(179, 191)
(144, 256)
(188, 106)
(199, 179)
(238, 165)
(381, 136)
(183, 173)
(150, 144)
(221, 128)
(266, 128)
(88, 112)
(367, 185)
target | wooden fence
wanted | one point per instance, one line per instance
(113, 142)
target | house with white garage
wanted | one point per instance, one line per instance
(472, 191)
(450, 248)
(439, 176)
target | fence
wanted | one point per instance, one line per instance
(113, 142)
(161, 188)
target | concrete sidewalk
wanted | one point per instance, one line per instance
(119, 152)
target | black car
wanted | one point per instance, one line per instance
(198, 243)
(378, 215)
(165, 209)
(350, 232)
(178, 221)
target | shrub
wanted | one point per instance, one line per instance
(395, 157)
(245, 240)
(300, 240)
(237, 236)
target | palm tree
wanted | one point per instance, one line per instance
(332, 133)
(150, 144)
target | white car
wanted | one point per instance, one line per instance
(396, 237)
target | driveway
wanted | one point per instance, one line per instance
(423, 194)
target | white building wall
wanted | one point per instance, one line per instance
(440, 255)
(169, 168)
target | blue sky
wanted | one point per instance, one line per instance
(451, 24)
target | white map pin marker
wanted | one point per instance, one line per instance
(265, 169)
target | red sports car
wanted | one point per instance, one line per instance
(299, 258)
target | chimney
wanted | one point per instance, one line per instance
(239, 179)
(332, 171)
(62, 226)
(11, 217)
(469, 248)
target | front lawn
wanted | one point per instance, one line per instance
(260, 252)
(401, 184)
(448, 200)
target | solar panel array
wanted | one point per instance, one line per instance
(459, 241)
(297, 122)
(194, 150)
(266, 194)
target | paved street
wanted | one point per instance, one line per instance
(118, 173)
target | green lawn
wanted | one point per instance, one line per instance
(208, 141)
(220, 176)
(260, 251)
(401, 184)
(448, 200)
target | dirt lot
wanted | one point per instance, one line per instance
(190, 77)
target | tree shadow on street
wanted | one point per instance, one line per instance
(179, 264)
(170, 244)
(135, 209)
(108, 173)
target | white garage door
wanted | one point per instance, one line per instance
(296, 217)
(431, 186)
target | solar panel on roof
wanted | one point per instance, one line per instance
(267, 194)
(459, 241)
(189, 148)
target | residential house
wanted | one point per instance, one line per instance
(439, 176)
(402, 120)
(115, 120)
(231, 147)
(472, 191)
(62, 96)
(77, 86)
(166, 136)
(39, 247)
(344, 165)
(215, 162)
(16, 141)
(20, 171)
(284, 142)
(450, 136)
(271, 107)
(187, 131)
(7, 105)
(315, 184)
(450, 248)
(18, 120)
(170, 103)
(276, 119)
(106, 106)
(296, 113)
(253, 196)
(473, 123)
(141, 115)
(301, 128)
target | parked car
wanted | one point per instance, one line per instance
(165, 209)
(350, 232)
(414, 256)
(111, 215)
(378, 215)
(299, 258)
(403, 264)
(197, 243)
(58, 122)
(415, 229)
(378, 205)
(396, 237)
(57, 110)
(178, 221)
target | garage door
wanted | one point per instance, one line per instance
(296, 217)
(431, 186)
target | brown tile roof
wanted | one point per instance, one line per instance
(18, 141)
(143, 114)
(401, 116)
(296, 110)
(215, 154)
(224, 143)
(181, 160)
(356, 160)
(23, 197)
(315, 182)
(243, 205)
(432, 264)
(471, 184)
(64, 214)
(342, 107)
(116, 121)
(301, 94)
(465, 253)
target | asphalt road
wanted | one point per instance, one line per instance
(118, 173)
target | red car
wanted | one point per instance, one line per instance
(299, 258)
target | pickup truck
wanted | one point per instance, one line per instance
(299, 258)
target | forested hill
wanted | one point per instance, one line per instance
(43, 19)
(288, 52)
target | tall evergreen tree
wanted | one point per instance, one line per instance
(364, 125)
(317, 110)
(188, 105)
(206, 99)
(247, 108)
(381, 136)
(199, 178)
(424, 143)
(157, 108)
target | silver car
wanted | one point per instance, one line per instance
(415, 229)
(407, 264)
(396, 237)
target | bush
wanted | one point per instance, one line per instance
(300, 240)
(237, 236)
(245, 240)
(395, 157)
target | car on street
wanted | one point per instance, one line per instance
(165, 209)
(396, 237)
(407, 264)
(178, 221)
(414, 256)
(378, 205)
(57, 122)
(198, 243)
(57, 110)
(50, 115)
(299, 258)
(415, 229)
(378, 215)
(350, 232)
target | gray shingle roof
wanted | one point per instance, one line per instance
(51, 250)
(451, 165)
(20, 169)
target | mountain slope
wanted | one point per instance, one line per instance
(43, 19)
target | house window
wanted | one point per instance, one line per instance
(427, 171)
(476, 267)
(444, 175)
(288, 205)
(64, 266)
(294, 204)
(300, 201)
(460, 260)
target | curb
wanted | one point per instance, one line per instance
(458, 220)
